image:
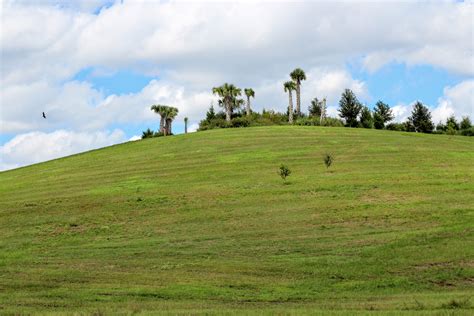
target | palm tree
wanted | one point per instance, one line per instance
(290, 86)
(171, 113)
(249, 93)
(185, 125)
(298, 75)
(227, 93)
(160, 109)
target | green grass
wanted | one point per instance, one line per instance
(203, 223)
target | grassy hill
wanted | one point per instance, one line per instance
(202, 222)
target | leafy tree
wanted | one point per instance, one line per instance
(289, 86)
(210, 115)
(249, 93)
(420, 119)
(315, 108)
(297, 76)
(228, 93)
(185, 125)
(284, 171)
(465, 123)
(440, 127)
(366, 119)
(349, 108)
(328, 160)
(451, 123)
(382, 114)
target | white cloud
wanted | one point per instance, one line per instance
(77, 105)
(33, 147)
(457, 100)
(134, 138)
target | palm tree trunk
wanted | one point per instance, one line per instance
(168, 126)
(298, 103)
(185, 127)
(227, 111)
(162, 124)
(248, 106)
(290, 110)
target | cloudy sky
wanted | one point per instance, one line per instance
(95, 66)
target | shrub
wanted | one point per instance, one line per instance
(468, 132)
(396, 127)
(328, 160)
(240, 122)
(284, 171)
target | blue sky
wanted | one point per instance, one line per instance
(95, 67)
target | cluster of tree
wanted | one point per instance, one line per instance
(351, 113)
(453, 127)
(167, 115)
(229, 99)
(357, 115)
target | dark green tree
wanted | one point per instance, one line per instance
(420, 119)
(315, 108)
(349, 108)
(382, 115)
(366, 119)
(147, 134)
(284, 171)
(210, 115)
(465, 122)
(451, 123)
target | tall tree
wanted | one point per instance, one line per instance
(185, 125)
(366, 119)
(349, 108)
(323, 111)
(451, 123)
(315, 108)
(249, 93)
(160, 109)
(170, 113)
(290, 86)
(210, 115)
(298, 75)
(227, 92)
(420, 119)
(465, 122)
(382, 115)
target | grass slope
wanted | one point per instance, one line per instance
(203, 222)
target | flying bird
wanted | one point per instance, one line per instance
(44, 115)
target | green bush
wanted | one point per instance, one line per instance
(284, 171)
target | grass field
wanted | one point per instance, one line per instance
(202, 223)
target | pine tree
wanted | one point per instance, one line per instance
(465, 122)
(420, 119)
(366, 119)
(210, 115)
(349, 108)
(382, 114)
(315, 108)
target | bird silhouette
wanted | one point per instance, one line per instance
(44, 115)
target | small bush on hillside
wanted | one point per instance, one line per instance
(284, 171)
(468, 132)
(328, 160)
(240, 122)
(396, 127)
(149, 134)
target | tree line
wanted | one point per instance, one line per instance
(351, 112)
(237, 112)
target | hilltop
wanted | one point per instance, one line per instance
(202, 221)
